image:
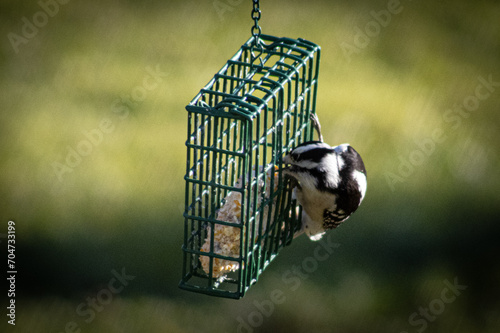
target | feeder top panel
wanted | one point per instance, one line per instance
(263, 69)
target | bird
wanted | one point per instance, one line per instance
(328, 182)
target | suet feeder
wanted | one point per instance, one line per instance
(239, 210)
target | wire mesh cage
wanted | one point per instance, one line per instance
(239, 211)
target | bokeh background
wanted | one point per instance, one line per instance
(431, 211)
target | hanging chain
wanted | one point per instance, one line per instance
(256, 30)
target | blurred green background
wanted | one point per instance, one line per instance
(395, 92)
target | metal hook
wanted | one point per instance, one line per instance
(260, 50)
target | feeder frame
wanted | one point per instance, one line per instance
(253, 111)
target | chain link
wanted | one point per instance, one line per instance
(256, 30)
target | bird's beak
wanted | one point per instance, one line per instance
(287, 159)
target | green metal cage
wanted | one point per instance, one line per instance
(239, 211)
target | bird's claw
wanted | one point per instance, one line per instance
(317, 126)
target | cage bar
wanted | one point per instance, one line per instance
(254, 110)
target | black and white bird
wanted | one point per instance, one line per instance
(330, 183)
